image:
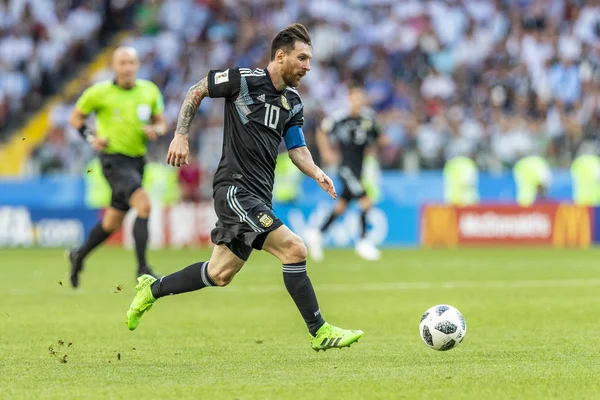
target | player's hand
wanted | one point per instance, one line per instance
(150, 132)
(179, 149)
(99, 143)
(326, 184)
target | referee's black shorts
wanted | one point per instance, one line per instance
(244, 222)
(124, 175)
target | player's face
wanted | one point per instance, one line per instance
(126, 65)
(296, 64)
(357, 98)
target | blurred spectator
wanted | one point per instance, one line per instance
(505, 78)
(42, 43)
(189, 180)
(55, 155)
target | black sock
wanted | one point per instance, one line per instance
(330, 220)
(140, 236)
(300, 288)
(193, 277)
(96, 237)
(363, 223)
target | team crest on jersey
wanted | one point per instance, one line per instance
(222, 77)
(285, 103)
(265, 220)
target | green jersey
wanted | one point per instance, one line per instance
(460, 181)
(122, 113)
(585, 171)
(530, 173)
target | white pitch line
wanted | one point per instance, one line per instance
(403, 286)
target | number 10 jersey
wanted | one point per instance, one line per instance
(257, 117)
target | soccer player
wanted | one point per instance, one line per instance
(354, 132)
(129, 113)
(262, 106)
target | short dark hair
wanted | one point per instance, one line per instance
(287, 38)
(352, 85)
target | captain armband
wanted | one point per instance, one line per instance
(294, 138)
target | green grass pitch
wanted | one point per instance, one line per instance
(532, 318)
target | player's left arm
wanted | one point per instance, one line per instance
(157, 126)
(158, 123)
(383, 140)
(302, 159)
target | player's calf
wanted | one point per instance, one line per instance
(221, 277)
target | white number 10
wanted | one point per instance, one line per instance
(271, 116)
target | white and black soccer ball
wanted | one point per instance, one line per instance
(442, 327)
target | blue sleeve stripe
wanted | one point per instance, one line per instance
(294, 138)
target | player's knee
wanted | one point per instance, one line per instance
(143, 209)
(110, 225)
(365, 204)
(340, 207)
(296, 249)
(110, 228)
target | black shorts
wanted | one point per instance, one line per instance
(124, 175)
(353, 189)
(244, 222)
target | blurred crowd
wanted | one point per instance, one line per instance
(494, 79)
(42, 42)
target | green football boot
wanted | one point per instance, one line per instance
(329, 337)
(142, 301)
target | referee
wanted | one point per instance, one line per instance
(129, 113)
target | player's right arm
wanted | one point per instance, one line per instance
(83, 108)
(190, 106)
(225, 83)
(179, 149)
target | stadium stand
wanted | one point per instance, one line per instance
(503, 79)
(43, 43)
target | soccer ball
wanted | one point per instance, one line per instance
(442, 327)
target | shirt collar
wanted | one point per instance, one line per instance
(115, 83)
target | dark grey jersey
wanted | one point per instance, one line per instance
(257, 116)
(353, 135)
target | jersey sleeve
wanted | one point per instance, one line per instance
(88, 102)
(158, 105)
(224, 83)
(297, 118)
(327, 125)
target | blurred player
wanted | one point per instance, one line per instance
(261, 108)
(354, 131)
(129, 112)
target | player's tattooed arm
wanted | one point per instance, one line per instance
(190, 106)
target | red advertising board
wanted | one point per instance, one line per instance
(181, 225)
(505, 224)
(560, 225)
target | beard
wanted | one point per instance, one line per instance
(291, 78)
